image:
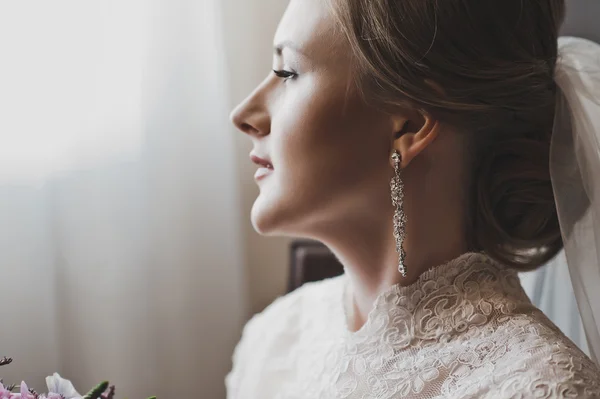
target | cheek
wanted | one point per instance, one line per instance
(326, 145)
(309, 142)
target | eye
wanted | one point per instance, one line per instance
(285, 74)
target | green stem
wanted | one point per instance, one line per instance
(97, 391)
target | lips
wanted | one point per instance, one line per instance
(265, 169)
(263, 162)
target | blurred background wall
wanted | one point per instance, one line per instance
(582, 19)
(126, 251)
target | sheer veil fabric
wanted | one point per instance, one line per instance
(575, 172)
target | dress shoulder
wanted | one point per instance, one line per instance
(290, 306)
(541, 362)
(279, 320)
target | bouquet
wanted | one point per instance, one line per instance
(58, 388)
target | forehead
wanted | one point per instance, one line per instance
(312, 27)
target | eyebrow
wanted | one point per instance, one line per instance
(278, 48)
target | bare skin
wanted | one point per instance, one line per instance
(331, 162)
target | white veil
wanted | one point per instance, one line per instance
(575, 172)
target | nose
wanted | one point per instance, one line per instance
(251, 115)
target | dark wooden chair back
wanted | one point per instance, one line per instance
(311, 261)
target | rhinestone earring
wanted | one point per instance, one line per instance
(397, 188)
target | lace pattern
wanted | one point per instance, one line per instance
(465, 329)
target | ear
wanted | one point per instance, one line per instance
(413, 132)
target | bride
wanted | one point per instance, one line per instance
(437, 148)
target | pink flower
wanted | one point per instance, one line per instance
(25, 394)
(4, 394)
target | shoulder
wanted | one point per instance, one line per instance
(290, 312)
(270, 333)
(309, 299)
(552, 373)
(540, 359)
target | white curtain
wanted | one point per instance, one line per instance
(121, 251)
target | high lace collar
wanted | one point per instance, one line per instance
(437, 289)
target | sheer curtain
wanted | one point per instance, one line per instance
(121, 251)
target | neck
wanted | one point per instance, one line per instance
(366, 248)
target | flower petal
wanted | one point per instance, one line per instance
(25, 391)
(4, 393)
(57, 384)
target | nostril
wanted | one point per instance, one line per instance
(247, 128)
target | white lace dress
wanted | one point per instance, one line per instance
(465, 329)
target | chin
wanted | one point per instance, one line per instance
(271, 217)
(264, 217)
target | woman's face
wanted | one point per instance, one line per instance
(328, 150)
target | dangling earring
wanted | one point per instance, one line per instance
(397, 188)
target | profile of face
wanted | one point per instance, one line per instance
(326, 150)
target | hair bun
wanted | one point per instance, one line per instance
(515, 217)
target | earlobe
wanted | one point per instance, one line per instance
(414, 136)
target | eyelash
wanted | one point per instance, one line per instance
(285, 75)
